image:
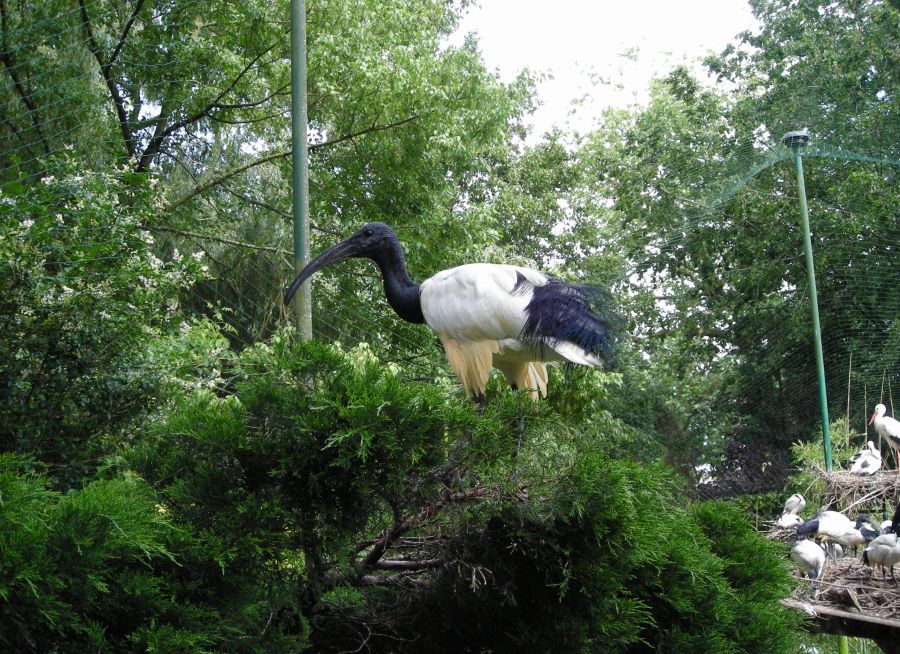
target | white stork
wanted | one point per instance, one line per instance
(888, 428)
(867, 461)
(509, 317)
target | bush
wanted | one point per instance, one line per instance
(401, 520)
(95, 570)
(80, 295)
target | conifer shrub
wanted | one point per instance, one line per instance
(102, 569)
(390, 516)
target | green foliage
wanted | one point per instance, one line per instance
(95, 571)
(311, 447)
(315, 492)
(80, 294)
(607, 561)
(511, 529)
(703, 203)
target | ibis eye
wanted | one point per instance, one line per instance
(368, 232)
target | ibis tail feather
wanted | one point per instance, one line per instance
(559, 313)
(808, 527)
(471, 362)
(530, 375)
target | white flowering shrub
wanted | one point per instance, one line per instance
(81, 293)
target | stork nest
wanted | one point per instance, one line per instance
(849, 585)
(784, 534)
(847, 490)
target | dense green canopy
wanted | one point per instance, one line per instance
(177, 474)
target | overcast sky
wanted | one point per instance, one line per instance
(578, 41)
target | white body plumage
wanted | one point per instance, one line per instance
(479, 311)
(810, 556)
(883, 551)
(888, 428)
(795, 503)
(789, 520)
(867, 461)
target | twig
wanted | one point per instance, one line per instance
(219, 239)
(279, 154)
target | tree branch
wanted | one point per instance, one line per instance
(153, 146)
(228, 174)
(396, 530)
(392, 533)
(401, 564)
(368, 130)
(278, 154)
(383, 580)
(134, 14)
(9, 62)
(147, 155)
(219, 239)
(284, 90)
(247, 121)
(106, 73)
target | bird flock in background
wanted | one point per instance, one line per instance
(830, 533)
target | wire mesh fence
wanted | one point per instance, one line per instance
(712, 281)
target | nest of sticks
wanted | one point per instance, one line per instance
(849, 585)
(846, 584)
(848, 491)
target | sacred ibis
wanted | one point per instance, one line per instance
(810, 556)
(831, 526)
(888, 428)
(867, 461)
(883, 551)
(795, 503)
(789, 520)
(509, 317)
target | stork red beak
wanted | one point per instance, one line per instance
(872, 419)
(339, 252)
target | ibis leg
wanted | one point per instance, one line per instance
(481, 401)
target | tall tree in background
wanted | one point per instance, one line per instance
(710, 228)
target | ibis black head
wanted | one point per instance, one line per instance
(368, 241)
(864, 519)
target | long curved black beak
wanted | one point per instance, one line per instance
(339, 252)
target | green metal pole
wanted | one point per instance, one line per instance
(795, 144)
(300, 162)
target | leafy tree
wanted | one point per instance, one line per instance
(708, 220)
(80, 295)
(403, 128)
